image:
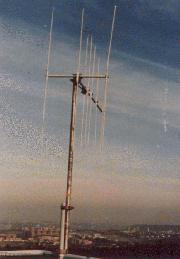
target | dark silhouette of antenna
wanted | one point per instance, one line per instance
(77, 83)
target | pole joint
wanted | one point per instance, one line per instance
(66, 207)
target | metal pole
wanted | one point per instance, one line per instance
(68, 206)
(62, 230)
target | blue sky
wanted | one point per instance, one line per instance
(138, 172)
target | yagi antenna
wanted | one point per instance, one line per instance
(77, 81)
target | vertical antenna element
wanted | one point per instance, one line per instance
(84, 96)
(80, 45)
(107, 80)
(88, 88)
(97, 96)
(110, 42)
(47, 74)
(90, 108)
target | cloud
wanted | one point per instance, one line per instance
(165, 6)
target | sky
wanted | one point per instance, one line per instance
(135, 179)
